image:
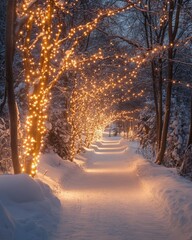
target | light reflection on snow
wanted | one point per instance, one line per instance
(110, 170)
(112, 153)
(109, 148)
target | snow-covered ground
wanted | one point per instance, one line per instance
(27, 209)
(109, 193)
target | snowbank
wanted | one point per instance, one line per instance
(57, 172)
(172, 192)
(16, 188)
(28, 208)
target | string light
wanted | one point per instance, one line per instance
(40, 43)
(47, 55)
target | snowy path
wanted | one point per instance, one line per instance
(108, 202)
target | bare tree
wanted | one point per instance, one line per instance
(174, 8)
(10, 48)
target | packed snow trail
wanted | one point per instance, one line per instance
(107, 201)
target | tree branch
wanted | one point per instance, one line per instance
(123, 39)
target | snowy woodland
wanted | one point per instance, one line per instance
(89, 83)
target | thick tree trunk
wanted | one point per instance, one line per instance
(36, 113)
(10, 47)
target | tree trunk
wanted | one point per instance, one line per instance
(190, 130)
(36, 129)
(155, 96)
(186, 166)
(160, 107)
(161, 153)
(2, 104)
(10, 47)
(162, 149)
